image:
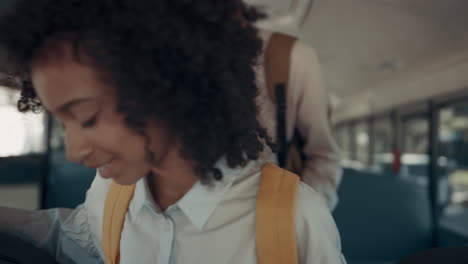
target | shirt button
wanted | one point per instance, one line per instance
(168, 226)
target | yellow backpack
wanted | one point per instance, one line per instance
(274, 223)
(277, 66)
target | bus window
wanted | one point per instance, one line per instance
(343, 139)
(22, 153)
(361, 139)
(57, 138)
(25, 133)
(382, 135)
(415, 147)
(453, 150)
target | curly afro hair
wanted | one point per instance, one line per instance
(249, 13)
(186, 63)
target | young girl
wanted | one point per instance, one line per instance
(160, 95)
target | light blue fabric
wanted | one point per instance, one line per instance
(44, 229)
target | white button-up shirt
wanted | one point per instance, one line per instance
(210, 224)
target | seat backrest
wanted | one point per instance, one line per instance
(21, 169)
(14, 250)
(382, 217)
(454, 255)
(67, 182)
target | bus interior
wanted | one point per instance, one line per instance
(397, 76)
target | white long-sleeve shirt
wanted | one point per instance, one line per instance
(209, 225)
(306, 110)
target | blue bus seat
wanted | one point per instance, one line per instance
(381, 218)
(21, 170)
(67, 182)
(14, 250)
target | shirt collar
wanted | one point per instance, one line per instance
(141, 195)
(199, 203)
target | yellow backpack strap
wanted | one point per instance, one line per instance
(116, 206)
(275, 216)
(277, 62)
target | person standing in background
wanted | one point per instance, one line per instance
(307, 112)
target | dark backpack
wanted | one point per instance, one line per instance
(16, 251)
